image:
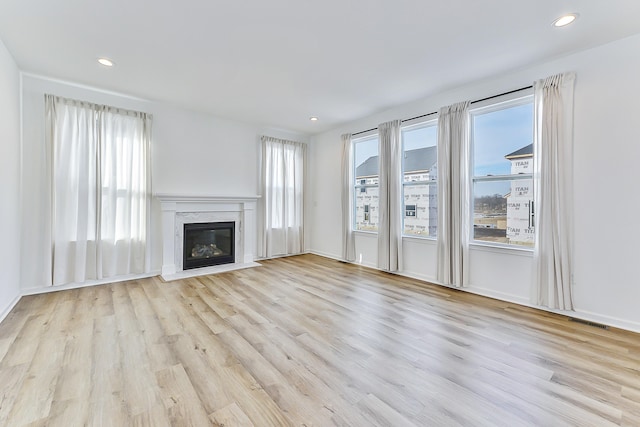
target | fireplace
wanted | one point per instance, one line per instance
(178, 210)
(207, 244)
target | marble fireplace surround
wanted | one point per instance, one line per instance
(178, 210)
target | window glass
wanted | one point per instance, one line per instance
(366, 164)
(420, 173)
(502, 138)
(496, 134)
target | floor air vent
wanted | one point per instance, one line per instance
(586, 322)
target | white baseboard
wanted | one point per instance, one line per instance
(502, 296)
(418, 276)
(277, 256)
(326, 255)
(339, 258)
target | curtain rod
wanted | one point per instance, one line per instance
(435, 112)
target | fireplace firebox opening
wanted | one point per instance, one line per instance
(208, 244)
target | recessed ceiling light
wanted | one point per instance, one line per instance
(313, 119)
(565, 20)
(106, 62)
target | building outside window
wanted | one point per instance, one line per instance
(420, 174)
(502, 170)
(366, 163)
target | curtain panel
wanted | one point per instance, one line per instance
(390, 202)
(283, 166)
(453, 194)
(100, 190)
(348, 242)
(553, 191)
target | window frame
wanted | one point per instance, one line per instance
(501, 103)
(431, 122)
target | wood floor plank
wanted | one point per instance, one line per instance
(307, 341)
(180, 399)
(106, 396)
(5, 344)
(270, 379)
(111, 410)
(252, 398)
(70, 400)
(231, 415)
(279, 351)
(24, 309)
(381, 414)
(139, 387)
(155, 416)
(67, 413)
(37, 391)
(11, 379)
(26, 342)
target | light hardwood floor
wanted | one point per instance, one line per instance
(307, 341)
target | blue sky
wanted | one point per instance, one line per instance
(496, 134)
(420, 137)
(365, 149)
(499, 133)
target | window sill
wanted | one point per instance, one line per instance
(430, 240)
(365, 233)
(484, 247)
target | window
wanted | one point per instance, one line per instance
(410, 211)
(502, 146)
(420, 174)
(100, 190)
(282, 185)
(366, 163)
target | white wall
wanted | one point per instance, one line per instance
(607, 147)
(192, 154)
(9, 181)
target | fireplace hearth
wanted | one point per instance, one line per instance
(208, 244)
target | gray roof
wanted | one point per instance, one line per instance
(524, 151)
(420, 159)
(368, 168)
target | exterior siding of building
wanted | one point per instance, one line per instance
(520, 212)
(367, 202)
(420, 194)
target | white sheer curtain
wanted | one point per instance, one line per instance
(553, 190)
(390, 187)
(100, 190)
(348, 243)
(453, 194)
(126, 191)
(283, 165)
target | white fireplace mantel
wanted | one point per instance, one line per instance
(178, 209)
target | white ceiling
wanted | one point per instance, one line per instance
(278, 62)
